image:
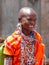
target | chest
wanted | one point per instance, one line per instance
(27, 52)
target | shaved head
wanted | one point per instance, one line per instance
(26, 11)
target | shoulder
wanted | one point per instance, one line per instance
(38, 36)
(13, 37)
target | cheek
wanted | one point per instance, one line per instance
(25, 26)
(34, 24)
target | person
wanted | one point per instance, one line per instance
(25, 45)
(1, 41)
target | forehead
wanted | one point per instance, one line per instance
(33, 17)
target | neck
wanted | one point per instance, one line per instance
(26, 32)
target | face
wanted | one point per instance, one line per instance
(28, 22)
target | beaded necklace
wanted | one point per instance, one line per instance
(27, 49)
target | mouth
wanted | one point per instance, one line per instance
(31, 26)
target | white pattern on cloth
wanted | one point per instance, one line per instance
(27, 53)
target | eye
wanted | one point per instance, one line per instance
(29, 19)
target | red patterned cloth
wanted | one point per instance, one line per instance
(13, 48)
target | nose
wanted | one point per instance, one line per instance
(32, 23)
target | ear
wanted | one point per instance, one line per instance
(20, 20)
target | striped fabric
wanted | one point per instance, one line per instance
(12, 47)
(12, 42)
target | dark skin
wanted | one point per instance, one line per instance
(25, 27)
(29, 21)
